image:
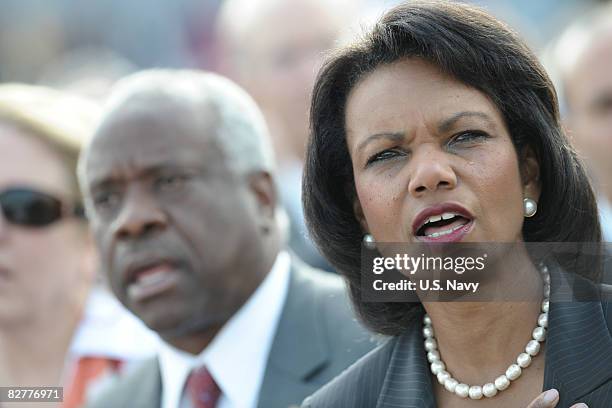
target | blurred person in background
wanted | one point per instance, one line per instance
(273, 49)
(86, 71)
(53, 329)
(179, 189)
(582, 61)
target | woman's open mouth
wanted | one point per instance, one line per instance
(442, 223)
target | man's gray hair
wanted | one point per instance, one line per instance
(563, 54)
(241, 131)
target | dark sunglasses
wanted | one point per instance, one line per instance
(30, 208)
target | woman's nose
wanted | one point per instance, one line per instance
(431, 170)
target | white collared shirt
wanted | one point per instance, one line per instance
(237, 356)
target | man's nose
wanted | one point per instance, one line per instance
(140, 215)
(431, 170)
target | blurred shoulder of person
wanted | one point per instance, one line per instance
(580, 61)
(278, 71)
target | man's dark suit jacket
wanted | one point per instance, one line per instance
(317, 337)
(578, 362)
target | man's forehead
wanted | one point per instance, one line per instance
(149, 136)
(148, 161)
(593, 55)
(157, 120)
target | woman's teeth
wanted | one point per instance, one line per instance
(436, 218)
(446, 232)
(442, 224)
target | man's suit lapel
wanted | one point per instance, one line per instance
(408, 381)
(151, 389)
(143, 389)
(288, 370)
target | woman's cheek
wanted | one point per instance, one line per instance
(499, 194)
(381, 206)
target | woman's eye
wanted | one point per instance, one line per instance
(472, 136)
(385, 155)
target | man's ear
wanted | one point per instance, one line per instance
(530, 173)
(263, 188)
(358, 211)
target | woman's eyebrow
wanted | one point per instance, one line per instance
(443, 126)
(393, 136)
(447, 124)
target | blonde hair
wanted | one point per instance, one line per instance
(60, 120)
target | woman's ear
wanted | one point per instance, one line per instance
(530, 173)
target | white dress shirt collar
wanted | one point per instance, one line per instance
(238, 354)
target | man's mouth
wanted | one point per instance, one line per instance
(150, 280)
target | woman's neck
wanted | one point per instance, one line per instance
(479, 340)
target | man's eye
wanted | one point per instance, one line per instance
(385, 155)
(604, 105)
(471, 136)
(171, 182)
(105, 201)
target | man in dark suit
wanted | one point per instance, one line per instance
(178, 184)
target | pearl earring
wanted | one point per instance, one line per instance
(530, 207)
(369, 241)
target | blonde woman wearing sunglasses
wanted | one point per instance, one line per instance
(47, 264)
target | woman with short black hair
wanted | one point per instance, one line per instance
(439, 112)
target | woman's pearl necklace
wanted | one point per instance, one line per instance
(489, 390)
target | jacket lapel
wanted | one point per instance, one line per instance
(153, 388)
(578, 350)
(143, 388)
(287, 371)
(408, 381)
